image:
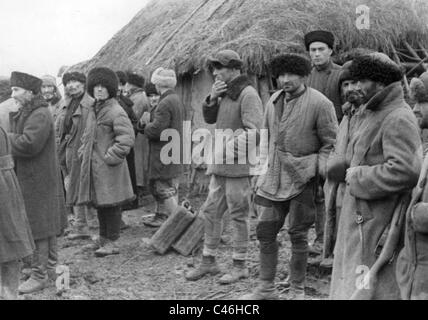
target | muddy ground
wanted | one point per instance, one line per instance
(138, 273)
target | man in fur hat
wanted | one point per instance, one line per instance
(302, 126)
(234, 105)
(335, 187)
(383, 159)
(412, 263)
(33, 148)
(135, 91)
(324, 77)
(72, 120)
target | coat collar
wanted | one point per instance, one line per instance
(388, 96)
(86, 102)
(166, 94)
(36, 103)
(135, 91)
(237, 85)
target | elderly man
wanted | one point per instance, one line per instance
(302, 127)
(134, 89)
(384, 160)
(324, 78)
(167, 113)
(233, 104)
(33, 148)
(72, 123)
(51, 94)
(335, 187)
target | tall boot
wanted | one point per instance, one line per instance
(297, 279)
(266, 289)
(207, 267)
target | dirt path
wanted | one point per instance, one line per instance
(138, 273)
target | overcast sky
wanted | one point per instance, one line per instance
(39, 36)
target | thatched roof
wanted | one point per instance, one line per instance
(257, 29)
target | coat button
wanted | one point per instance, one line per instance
(360, 219)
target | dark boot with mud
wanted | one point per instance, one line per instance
(238, 272)
(208, 266)
(266, 289)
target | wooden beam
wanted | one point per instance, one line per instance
(414, 54)
(417, 65)
(397, 60)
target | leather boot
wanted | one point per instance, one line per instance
(207, 267)
(297, 278)
(266, 289)
(238, 272)
(110, 248)
(33, 285)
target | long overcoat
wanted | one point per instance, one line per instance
(34, 150)
(16, 241)
(107, 140)
(385, 152)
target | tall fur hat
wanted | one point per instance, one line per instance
(290, 63)
(135, 79)
(377, 67)
(123, 79)
(319, 36)
(419, 88)
(76, 76)
(105, 77)
(165, 78)
(26, 81)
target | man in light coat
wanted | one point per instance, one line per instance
(383, 158)
(233, 104)
(302, 131)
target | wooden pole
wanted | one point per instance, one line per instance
(159, 50)
(413, 53)
(397, 60)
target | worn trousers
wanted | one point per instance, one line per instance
(9, 280)
(84, 216)
(109, 219)
(301, 215)
(45, 258)
(227, 194)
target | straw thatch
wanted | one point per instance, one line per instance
(257, 29)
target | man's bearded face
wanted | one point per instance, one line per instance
(351, 92)
(48, 92)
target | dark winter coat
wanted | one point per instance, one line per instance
(385, 149)
(70, 144)
(34, 150)
(167, 115)
(107, 140)
(326, 81)
(16, 240)
(412, 264)
(239, 109)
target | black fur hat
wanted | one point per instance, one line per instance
(105, 77)
(151, 89)
(26, 81)
(135, 79)
(290, 63)
(319, 36)
(76, 76)
(376, 67)
(123, 79)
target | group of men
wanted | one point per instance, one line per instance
(349, 180)
(73, 155)
(344, 153)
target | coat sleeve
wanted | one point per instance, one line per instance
(327, 128)
(124, 139)
(401, 145)
(34, 137)
(252, 120)
(210, 110)
(161, 121)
